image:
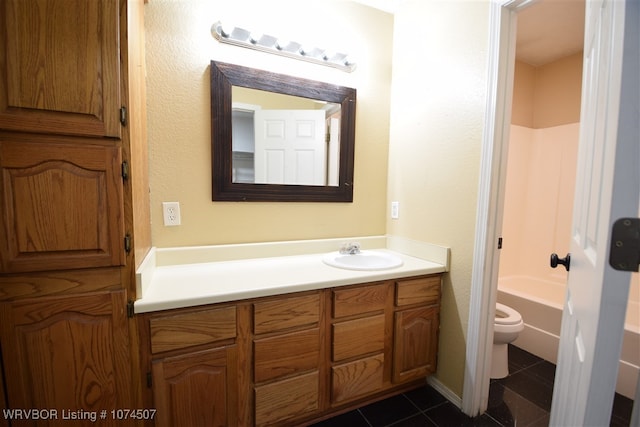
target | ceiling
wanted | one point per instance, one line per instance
(548, 30)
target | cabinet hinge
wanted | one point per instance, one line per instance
(149, 380)
(127, 243)
(123, 115)
(130, 312)
(125, 170)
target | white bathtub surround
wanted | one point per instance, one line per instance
(538, 200)
(540, 303)
(181, 277)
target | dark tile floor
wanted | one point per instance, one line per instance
(521, 399)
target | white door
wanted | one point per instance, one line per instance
(607, 188)
(290, 147)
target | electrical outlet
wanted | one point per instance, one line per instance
(395, 210)
(171, 213)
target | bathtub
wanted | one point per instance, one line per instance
(540, 303)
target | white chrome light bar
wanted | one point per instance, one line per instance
(266, 43)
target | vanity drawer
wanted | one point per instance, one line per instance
(359, 300)
(422, 290)
(286, 354)
(283, 313)
(357, 378)
(287, 399)
(175, 331)
(358, 337)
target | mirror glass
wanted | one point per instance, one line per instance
(284, 139)
(280, 138)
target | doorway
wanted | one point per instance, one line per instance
(489, 221)
(541, 169)
(540, 183)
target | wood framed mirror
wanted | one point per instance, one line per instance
(280, 138)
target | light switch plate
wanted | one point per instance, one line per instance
(395, 210)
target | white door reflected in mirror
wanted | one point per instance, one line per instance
(282, 139)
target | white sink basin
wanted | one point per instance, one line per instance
(364, 260)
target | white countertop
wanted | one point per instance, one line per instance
(164, 285)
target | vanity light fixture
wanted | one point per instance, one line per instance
(266, 43)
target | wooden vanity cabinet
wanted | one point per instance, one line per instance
(4, 422)
(194, 366)
(61, 72)
(196, 388)
(65, 352)
(358, 341)
(383, 334)
(74, 205)
(288, 360)
(416, 325)
(73, 149)
(63, 203)
(62, 143)
(287, 345)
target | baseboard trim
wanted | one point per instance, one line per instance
(445, 391)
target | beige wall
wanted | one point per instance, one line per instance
(557, 93)
(179, 48)
(437, 112)
(523, 89)
(548, 95)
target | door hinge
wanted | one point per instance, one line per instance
(127, 243)
(499, 242)
(149, 380)
(125, 170)
(624, 254)
(123, 115)
(130, 311)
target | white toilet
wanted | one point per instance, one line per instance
(507, 326)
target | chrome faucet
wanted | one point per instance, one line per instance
(351, 248)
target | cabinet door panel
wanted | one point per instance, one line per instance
(61, 73)
(195, 389)
(62, 205)
(416, 343)
(67, 352)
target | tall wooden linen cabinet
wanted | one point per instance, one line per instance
(74, 210)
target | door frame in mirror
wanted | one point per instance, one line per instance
(223, 77)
